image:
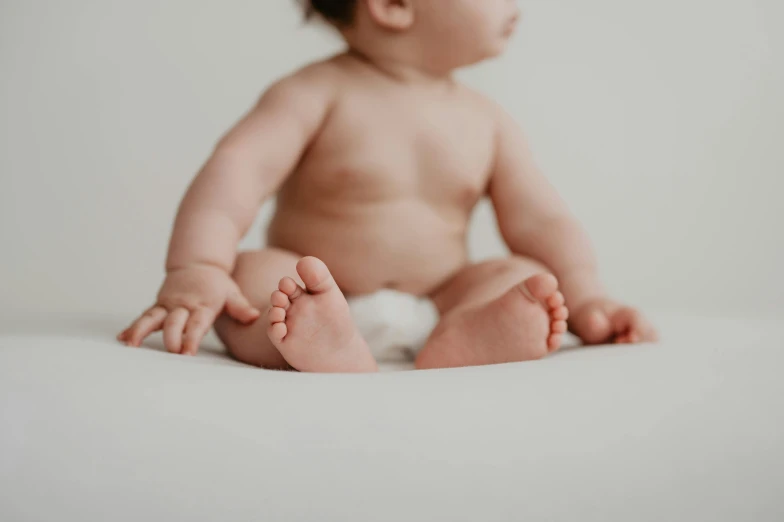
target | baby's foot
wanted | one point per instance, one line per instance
(526, 323)
(312, 326)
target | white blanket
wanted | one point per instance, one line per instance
(691, 429)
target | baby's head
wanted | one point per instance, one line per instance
(444, 34)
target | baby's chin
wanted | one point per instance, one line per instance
(495, 47)
(493, 50)
(502, 43)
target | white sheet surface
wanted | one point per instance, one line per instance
(691, 429)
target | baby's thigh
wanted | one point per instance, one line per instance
(483, 282)
(257, 273)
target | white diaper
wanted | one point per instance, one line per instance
(395, 325)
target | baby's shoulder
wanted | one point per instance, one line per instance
(317, 81)
(480, 101)
(493, 110)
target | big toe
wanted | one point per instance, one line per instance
(541, 286)
(315, 275)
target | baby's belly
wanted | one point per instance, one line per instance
(406, 245)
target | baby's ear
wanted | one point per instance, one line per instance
(397, 15)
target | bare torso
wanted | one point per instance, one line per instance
(385, 191)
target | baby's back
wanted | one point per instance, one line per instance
(384, 192)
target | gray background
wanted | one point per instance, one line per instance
(660, 123)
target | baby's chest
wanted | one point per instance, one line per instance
(440, 153)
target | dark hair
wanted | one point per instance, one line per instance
(338, 12)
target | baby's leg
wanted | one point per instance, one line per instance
(494, 312)
(307, 327)
(257, 274)
(311, 324)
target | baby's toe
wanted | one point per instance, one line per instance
(558, 327)
(277, 332)
(280, 300)
(541, 287)
(315, 275)
(277, 315)
(290, 287)
(554, 342)
(556, 301)
(560, 314)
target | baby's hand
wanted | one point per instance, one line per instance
(605, 321)
(188, 304)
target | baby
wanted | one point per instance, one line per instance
(378, 157)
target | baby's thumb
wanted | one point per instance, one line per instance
(239, 308)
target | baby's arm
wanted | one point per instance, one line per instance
(248, 165)
(535, 222)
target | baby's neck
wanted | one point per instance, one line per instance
(397, 64)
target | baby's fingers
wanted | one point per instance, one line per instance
(173, 327)
(627, 323)
(151, 321)
(239, 308)
(197, 327)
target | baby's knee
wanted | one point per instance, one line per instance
(247, 265)
(258, 273)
